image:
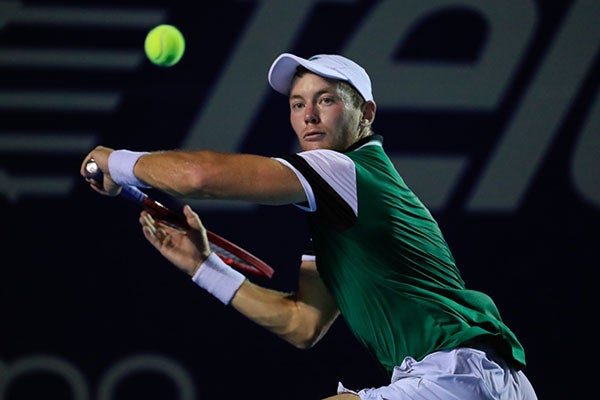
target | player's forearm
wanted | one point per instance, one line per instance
(301, 318)
(179, 173)
(279, 313)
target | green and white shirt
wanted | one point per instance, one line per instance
(384, 259)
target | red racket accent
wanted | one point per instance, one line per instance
(236, 257)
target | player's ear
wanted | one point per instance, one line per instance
(368, 112)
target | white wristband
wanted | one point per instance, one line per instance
(120, 165)
(218, 278)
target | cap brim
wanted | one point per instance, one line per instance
(284, 67)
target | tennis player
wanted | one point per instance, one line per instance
(376, 255)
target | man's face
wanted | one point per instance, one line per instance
(319, 115)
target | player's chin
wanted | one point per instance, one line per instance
(315, 144)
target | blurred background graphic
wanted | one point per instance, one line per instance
(490, 110)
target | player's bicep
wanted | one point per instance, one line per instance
(265, 180)
(284, 184)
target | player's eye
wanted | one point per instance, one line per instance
(326, 100)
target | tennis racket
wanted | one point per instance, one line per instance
(231, 254)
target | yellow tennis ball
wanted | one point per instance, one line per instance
(164, 45)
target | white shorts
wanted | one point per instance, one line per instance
(459, 374)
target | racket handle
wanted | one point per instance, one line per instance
(92, 170)
(129, 192)
(133, 194)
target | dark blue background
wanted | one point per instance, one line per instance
(79, 283)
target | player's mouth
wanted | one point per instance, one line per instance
(313, 136)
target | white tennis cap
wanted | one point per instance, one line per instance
(326, 65)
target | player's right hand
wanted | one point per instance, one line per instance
(100, 181)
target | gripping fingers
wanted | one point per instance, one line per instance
(149, 223)
(156, 234)
(151, 232)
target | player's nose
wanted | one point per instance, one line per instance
(311, 116)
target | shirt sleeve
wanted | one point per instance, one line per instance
(329, 181)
